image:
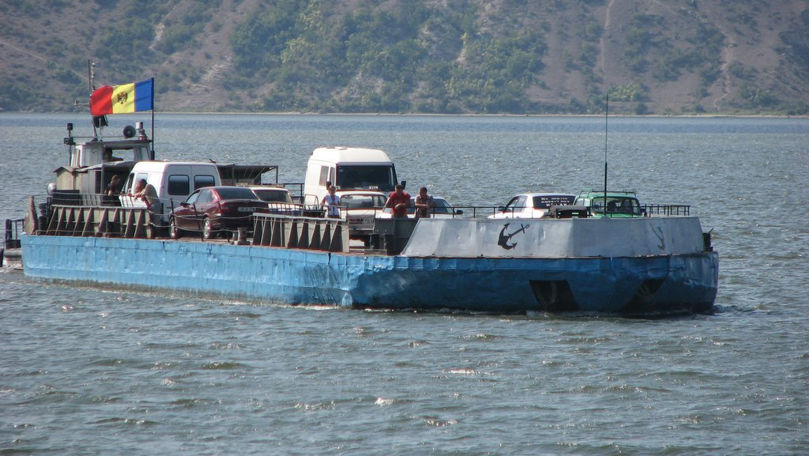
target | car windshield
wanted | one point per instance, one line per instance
(617, 205)
(228, 193)
(271, 195)
(362, 201)
(441, 206)
(518, 202)
(366, 176)
(546, 201)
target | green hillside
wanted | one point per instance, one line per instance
(408, 56)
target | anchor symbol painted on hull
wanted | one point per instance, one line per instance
(504, 238)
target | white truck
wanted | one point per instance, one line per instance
(174, 181)
(347, 168)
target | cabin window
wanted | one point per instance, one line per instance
(360, 201)
(370, 177)
(441, 206)
(627, 206)
(128, 185)
(510, 205)
(138, 177)
(273, 195)
(235, 193)
(324, 175)
(193, 198)
(205, 196)
(179, 184)
(519, 203)
(204, 180)
(617, 205)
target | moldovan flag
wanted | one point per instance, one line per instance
(122, 99)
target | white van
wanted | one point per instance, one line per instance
(173, 181)
(347, 168)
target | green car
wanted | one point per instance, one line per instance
(619, 204)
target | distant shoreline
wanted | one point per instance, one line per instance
(346, 114)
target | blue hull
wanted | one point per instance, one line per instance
(641, 285)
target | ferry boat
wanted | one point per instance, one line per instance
(650, 261)
(642, 265)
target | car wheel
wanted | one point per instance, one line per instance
(174, 232)
(207, 229)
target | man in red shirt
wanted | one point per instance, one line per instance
(399, 201)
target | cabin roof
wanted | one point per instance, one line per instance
(350, 154)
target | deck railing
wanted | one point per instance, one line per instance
(666, 209)
(98, 221)
(312, 233)
(290, 226)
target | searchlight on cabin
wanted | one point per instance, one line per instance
(129, 131)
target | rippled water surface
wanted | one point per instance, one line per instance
(87, 370)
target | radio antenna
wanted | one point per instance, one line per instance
(91, 74)
(606, 131)
(91, 82)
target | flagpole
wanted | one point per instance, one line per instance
(152, 151)
(153, 108)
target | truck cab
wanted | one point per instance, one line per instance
(618, 204)
(347, 168)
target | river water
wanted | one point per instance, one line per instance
(87, 370)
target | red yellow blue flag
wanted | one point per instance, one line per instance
(122, 99)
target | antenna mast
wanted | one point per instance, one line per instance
(606, 130)
(91, 80)
(91, 75)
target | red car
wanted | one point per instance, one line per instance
(214, 209)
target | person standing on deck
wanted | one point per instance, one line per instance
(423, 203)
(332, 203)
(398, 202)
(145, 192)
